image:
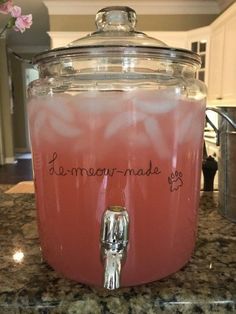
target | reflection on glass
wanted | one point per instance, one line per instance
(18, 256)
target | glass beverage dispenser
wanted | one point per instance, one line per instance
(116, 122)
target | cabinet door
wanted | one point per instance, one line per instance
(229, 62)
(216, 64)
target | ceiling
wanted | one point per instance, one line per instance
(37, 36)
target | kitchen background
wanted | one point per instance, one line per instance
(205, 26)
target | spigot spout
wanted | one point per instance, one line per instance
(114, 241)
(112, 265)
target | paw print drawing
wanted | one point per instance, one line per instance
(175, 180)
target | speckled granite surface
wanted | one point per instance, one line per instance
(206, 285)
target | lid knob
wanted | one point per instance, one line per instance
(116, 18)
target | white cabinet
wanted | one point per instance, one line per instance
(229, 60)
(222, 66)
(216, 64)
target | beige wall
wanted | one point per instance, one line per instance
(145, 22)
(6, 145)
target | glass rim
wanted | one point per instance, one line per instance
(167, 53)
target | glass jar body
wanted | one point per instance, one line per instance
(117, 132)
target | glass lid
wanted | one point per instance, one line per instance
(116, 34)
(116, 26)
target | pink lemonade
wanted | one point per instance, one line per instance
(137, 149)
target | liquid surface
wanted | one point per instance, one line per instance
(138, 149)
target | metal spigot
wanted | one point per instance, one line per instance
(114, 241)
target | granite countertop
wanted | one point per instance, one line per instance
(206, 285)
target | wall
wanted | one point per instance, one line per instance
(181, 22)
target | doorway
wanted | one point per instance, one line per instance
(22, 74)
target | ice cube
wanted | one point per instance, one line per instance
(197, 127)
(99, 102)
(185, 128)
(64, 129)
(60, 107)
(39, 123)
(156, 136)
(155, 101)
(33, 109)
(123, 121)
(139, 139)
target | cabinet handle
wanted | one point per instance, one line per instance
(219, 98)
